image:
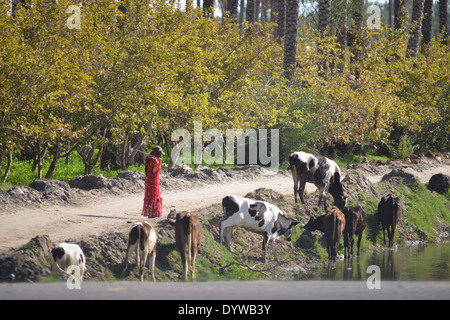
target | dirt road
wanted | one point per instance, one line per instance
(110, 214)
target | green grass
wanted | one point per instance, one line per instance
(371, 155)
(21, 171)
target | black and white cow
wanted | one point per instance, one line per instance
(324, 173)
(257, 216)
(64, 257)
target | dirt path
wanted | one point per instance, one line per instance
(113, 213)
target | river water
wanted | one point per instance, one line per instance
(424, 262)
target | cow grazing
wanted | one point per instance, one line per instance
(66, 255)
(257, 216)
(332, 224)
(188, 236)
(324, 173)
(142, 240)
(389, 214)
(355, 224)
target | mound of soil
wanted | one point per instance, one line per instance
(439, 183)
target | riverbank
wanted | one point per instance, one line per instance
(105, 251)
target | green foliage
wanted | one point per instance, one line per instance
(126, 78)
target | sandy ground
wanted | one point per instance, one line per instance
(114, 213)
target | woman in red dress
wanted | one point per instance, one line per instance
(152, 197)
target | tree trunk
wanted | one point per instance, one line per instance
(290, 38)
(443, 20)
(324, 15)
(354, 35)
(232, 8)
(8, 167)
(250, 11)
(208, 6)
(279, 17)
(56, 155)
(427, 23)
(341, 29)
(324, 23)
(414, 31)
(399, 14)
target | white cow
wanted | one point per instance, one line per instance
(324, 173)
(257, 216)
(142, 240)
(66, 255)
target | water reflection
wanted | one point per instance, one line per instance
(420, 262)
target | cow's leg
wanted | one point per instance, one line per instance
(144, 255)
(301, 191)
(182, 249)
(391, 236)
(194, 256)
(359, 242)
(323, 197)
(274, 248)
(265, 240)
(346, 245)
(130, 250)
(152, 263)
(229, 223)
(384, 234)
(296, 182)
(352, 242)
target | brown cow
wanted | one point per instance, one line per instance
(355, 223)
(389, 214)
(142, 240)
(332, 224)
(188, 235)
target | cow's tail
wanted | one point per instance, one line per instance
(336, 227)
(61, 270)
(395, 213)
(188, 234)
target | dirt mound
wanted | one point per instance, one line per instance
(439, 183)
(406, 177)
(26, 263)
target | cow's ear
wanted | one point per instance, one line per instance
(311, 163)
(294, 223)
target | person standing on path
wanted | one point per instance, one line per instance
(152, 197)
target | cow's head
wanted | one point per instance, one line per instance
(337, 191)
(340, 201)
(284, 226)
(315, 223)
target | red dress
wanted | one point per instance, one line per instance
(152, 197)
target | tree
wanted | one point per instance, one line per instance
(415, 28)
(290, 38)
(279, 17)
(427, 23)
(399, 14)
(324, 24)
(443, 4)
(250, 11)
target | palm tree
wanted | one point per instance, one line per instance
(290, 38)
(443, 20)
(416, 26)
(341, 32)
(357, 9)
(324, 23)
(279, 17)
(250, 11)
(427, 23)
(232, 7)
(399, 13)
(324, 15)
